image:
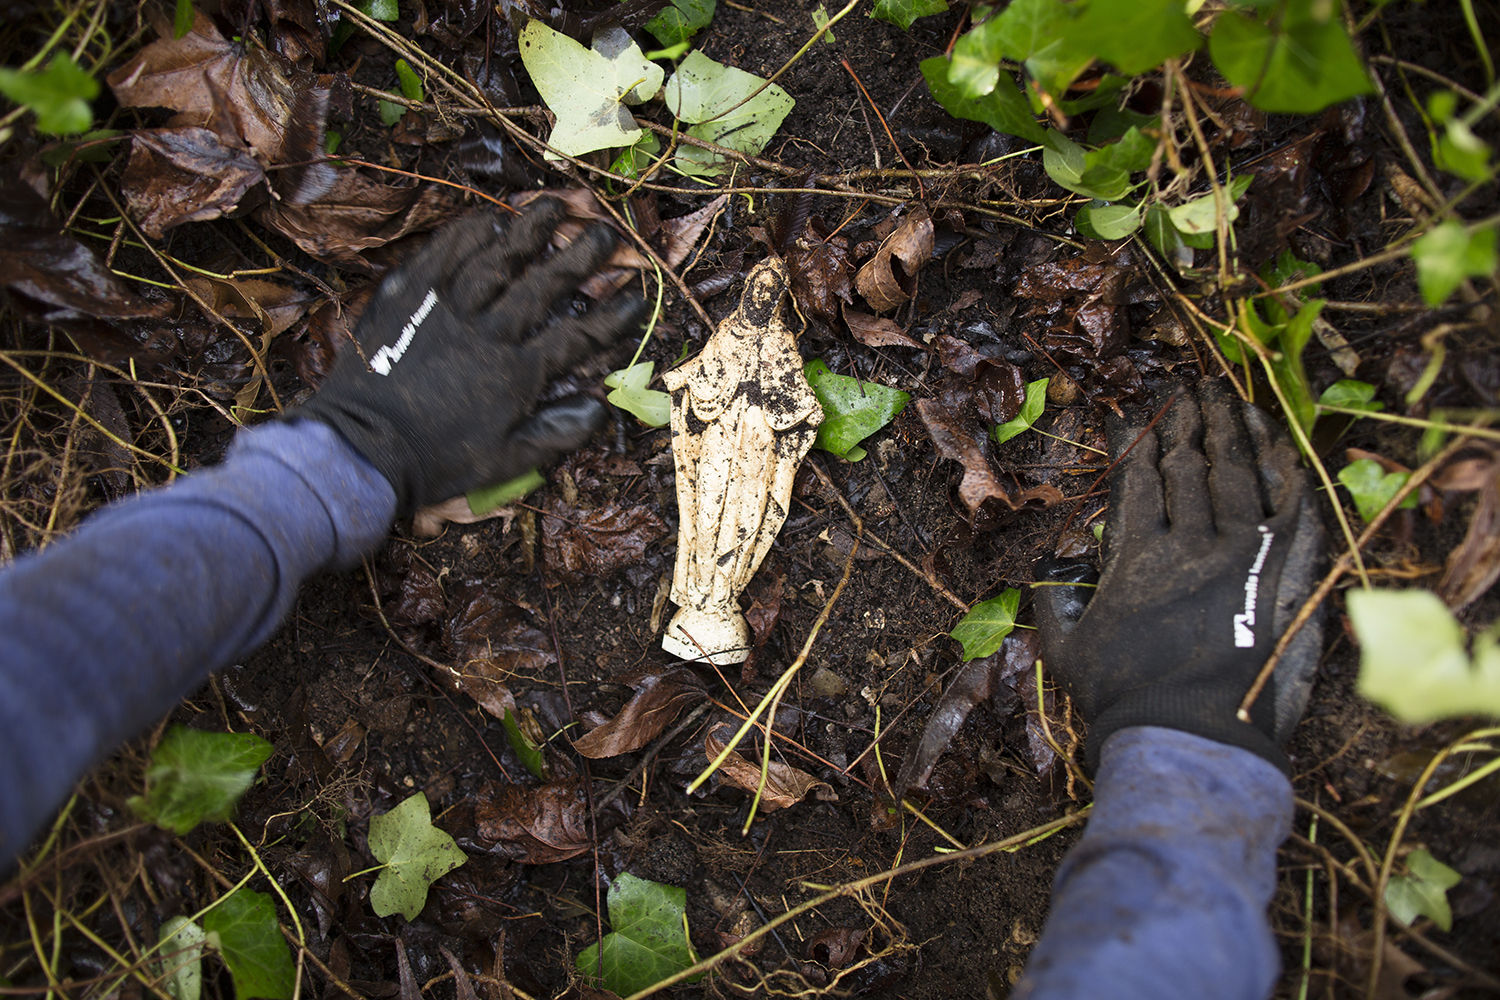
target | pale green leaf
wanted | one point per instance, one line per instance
(181, 965)
(1004, 109)
(1412, 657)
(1108, 222)
(381, 10)
(196, 776)
(1461, 152)
(985, 627)
(1423, 892)
(708, 96)
(648, 938)
(1351, 394)
(677, 23)
(1372, 487)
(59, 95)
(1031, 412)
(1201, 215)
(522, 733)
(852, 409)
(651, 407)
(482, 501)
(245, 931)
(820, 21)
(587, 89)
(415, 853)
(1448, 254)
(902, 13)
(1301, 61)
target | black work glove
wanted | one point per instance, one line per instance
(456, 346)
(1211, 547)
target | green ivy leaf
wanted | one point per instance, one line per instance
(181, 966)
(1301, 61)
(1461, 152)
(1031, 412)
(182, 18)
(703, 91)
(196, 776)
(1103, 221)
(411, 84)
(1134, 35)
(1351, 394)
(648, 941)
(1448, 254)
(381, 10)
(633, 159)
(1102, 173)
(243, 928)
(820, 20)
(587, 89)
(1423, 892)
(59, 95)
(1166, 239)
(985, 627)
(679, 21)
(902, 13)
(1201, 215)
(1004, 109)
(852, 409)
(1412, 659)
(415, 854)
(1372, 487)
(651, 407)
(482, 501)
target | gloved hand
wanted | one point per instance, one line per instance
(455, 348)
(1211, 547)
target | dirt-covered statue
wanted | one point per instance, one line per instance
(743, 416)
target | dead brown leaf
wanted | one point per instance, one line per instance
(187, 174)
(820, 270)
(535, 825)
(53, 279)
(835, 947)
(876, 331)
(979, 485)
(357, 214)
(1086, 302)
(485, 632)
(1474, 566)
(595, 543)
(785, 785)
(659, 698)
(889, 278)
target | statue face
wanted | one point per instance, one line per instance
(764, 290)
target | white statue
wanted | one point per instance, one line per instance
(743, 416)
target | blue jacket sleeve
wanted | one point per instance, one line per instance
(102, 632)
(1165, 895)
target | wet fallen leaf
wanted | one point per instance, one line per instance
(358, 214)
(595, 543)
(985, 626)
(853, 409)
(485, 631)
(187, 174)
(249, 940)
(876, 331)
(1085, 301)
(53, 279)
(1474, 565)
(785, 785)
(835, 947)
(821, 272)
(587, 89)
(535, 825)
(648, 941)
(659, 698)
(979, 484)
(714, 99)
(322, 868)
(889, 278)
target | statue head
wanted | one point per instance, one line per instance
(760, 304)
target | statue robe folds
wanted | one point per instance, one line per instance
(743, 416)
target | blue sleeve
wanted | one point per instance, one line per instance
(106, 630)
(1165, 895)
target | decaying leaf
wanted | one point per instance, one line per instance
(186, 174)
(53, 279)
(785, 786)
(659, 698)
(979, 484)
(876, 331)
(483, 631)
(536, 825)
(821, 272)
(889, 278)
(579, 544)
(1085, 301)
(1474, 566)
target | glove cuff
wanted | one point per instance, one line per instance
(376, 441)
(1190, 710)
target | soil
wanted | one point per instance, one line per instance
(361, 718)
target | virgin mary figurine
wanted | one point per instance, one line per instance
(743, 416)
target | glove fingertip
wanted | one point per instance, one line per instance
(1058, 600)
